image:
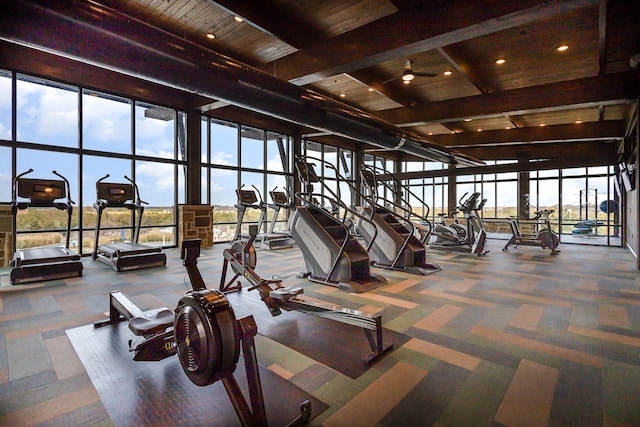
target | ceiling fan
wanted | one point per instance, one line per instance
(408, 74)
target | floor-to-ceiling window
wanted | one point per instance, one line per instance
(85, 135)
(234, 156)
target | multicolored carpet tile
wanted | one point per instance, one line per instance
(516, 338)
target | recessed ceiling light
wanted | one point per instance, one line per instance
(467, 120)
(238, 18)
(479, 129)
(508, 127)
(562, 48)
(447, 73)
(542, 124)
(500, 61)
(578, 121)
(211, 36)
(342, 95)
(370, 89)
(430, 133)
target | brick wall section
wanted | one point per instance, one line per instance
(6, 236)
(195, 222)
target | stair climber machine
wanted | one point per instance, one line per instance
(205, 334)
(395, 247)
(243, 259)
(545, 237)
(44, 263)
(252, 199)
(332, 255)
(123, 256)
(421, 224)
(447, 239)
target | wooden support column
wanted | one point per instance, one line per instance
(297, 151)
(6, 236)
(358, 161)
(194, 149)
(524, 196)
(452, 194)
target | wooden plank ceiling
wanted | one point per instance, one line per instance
(356, 51)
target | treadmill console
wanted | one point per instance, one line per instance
(246, 197)
(279, 198)
(115, 194)
(41, 191)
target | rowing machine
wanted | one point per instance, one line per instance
(242, 258)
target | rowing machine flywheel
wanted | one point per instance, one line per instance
(207, 336)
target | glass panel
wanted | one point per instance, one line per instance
(506, 199)
(6, 98)
(252, 148)
(47, 112)
(548, 173)
(94, 168)
(106, 123)
(5, 175)
(574, 172)
(156, 184)
(573, 201)
(275, 161)
(224, 143)
(204, 186)
(331, 157)
(51, 219)
(548, 196)
(155, 131)
(598, 170)
(204, 147)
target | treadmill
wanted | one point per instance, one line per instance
(43, 263)
(123, 256)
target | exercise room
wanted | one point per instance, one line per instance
(325, 213)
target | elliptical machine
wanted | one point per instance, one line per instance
(242, 258)
(545, 238)
(446, 238)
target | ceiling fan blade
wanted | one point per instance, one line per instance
(425, 74)
(390, 80)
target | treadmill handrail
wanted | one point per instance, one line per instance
(14, 196)
(139, 201)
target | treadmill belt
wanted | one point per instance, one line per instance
(127, 247)
(44, 254)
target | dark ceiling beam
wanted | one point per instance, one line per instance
(611, 129)
(460, 61)
(602, 37)
(580, 93)
(608, 157)
(565, 150)
(424, 29)
(49, 66)
(284, 23)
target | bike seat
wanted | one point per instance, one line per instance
(286, 293)
(154, 321)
